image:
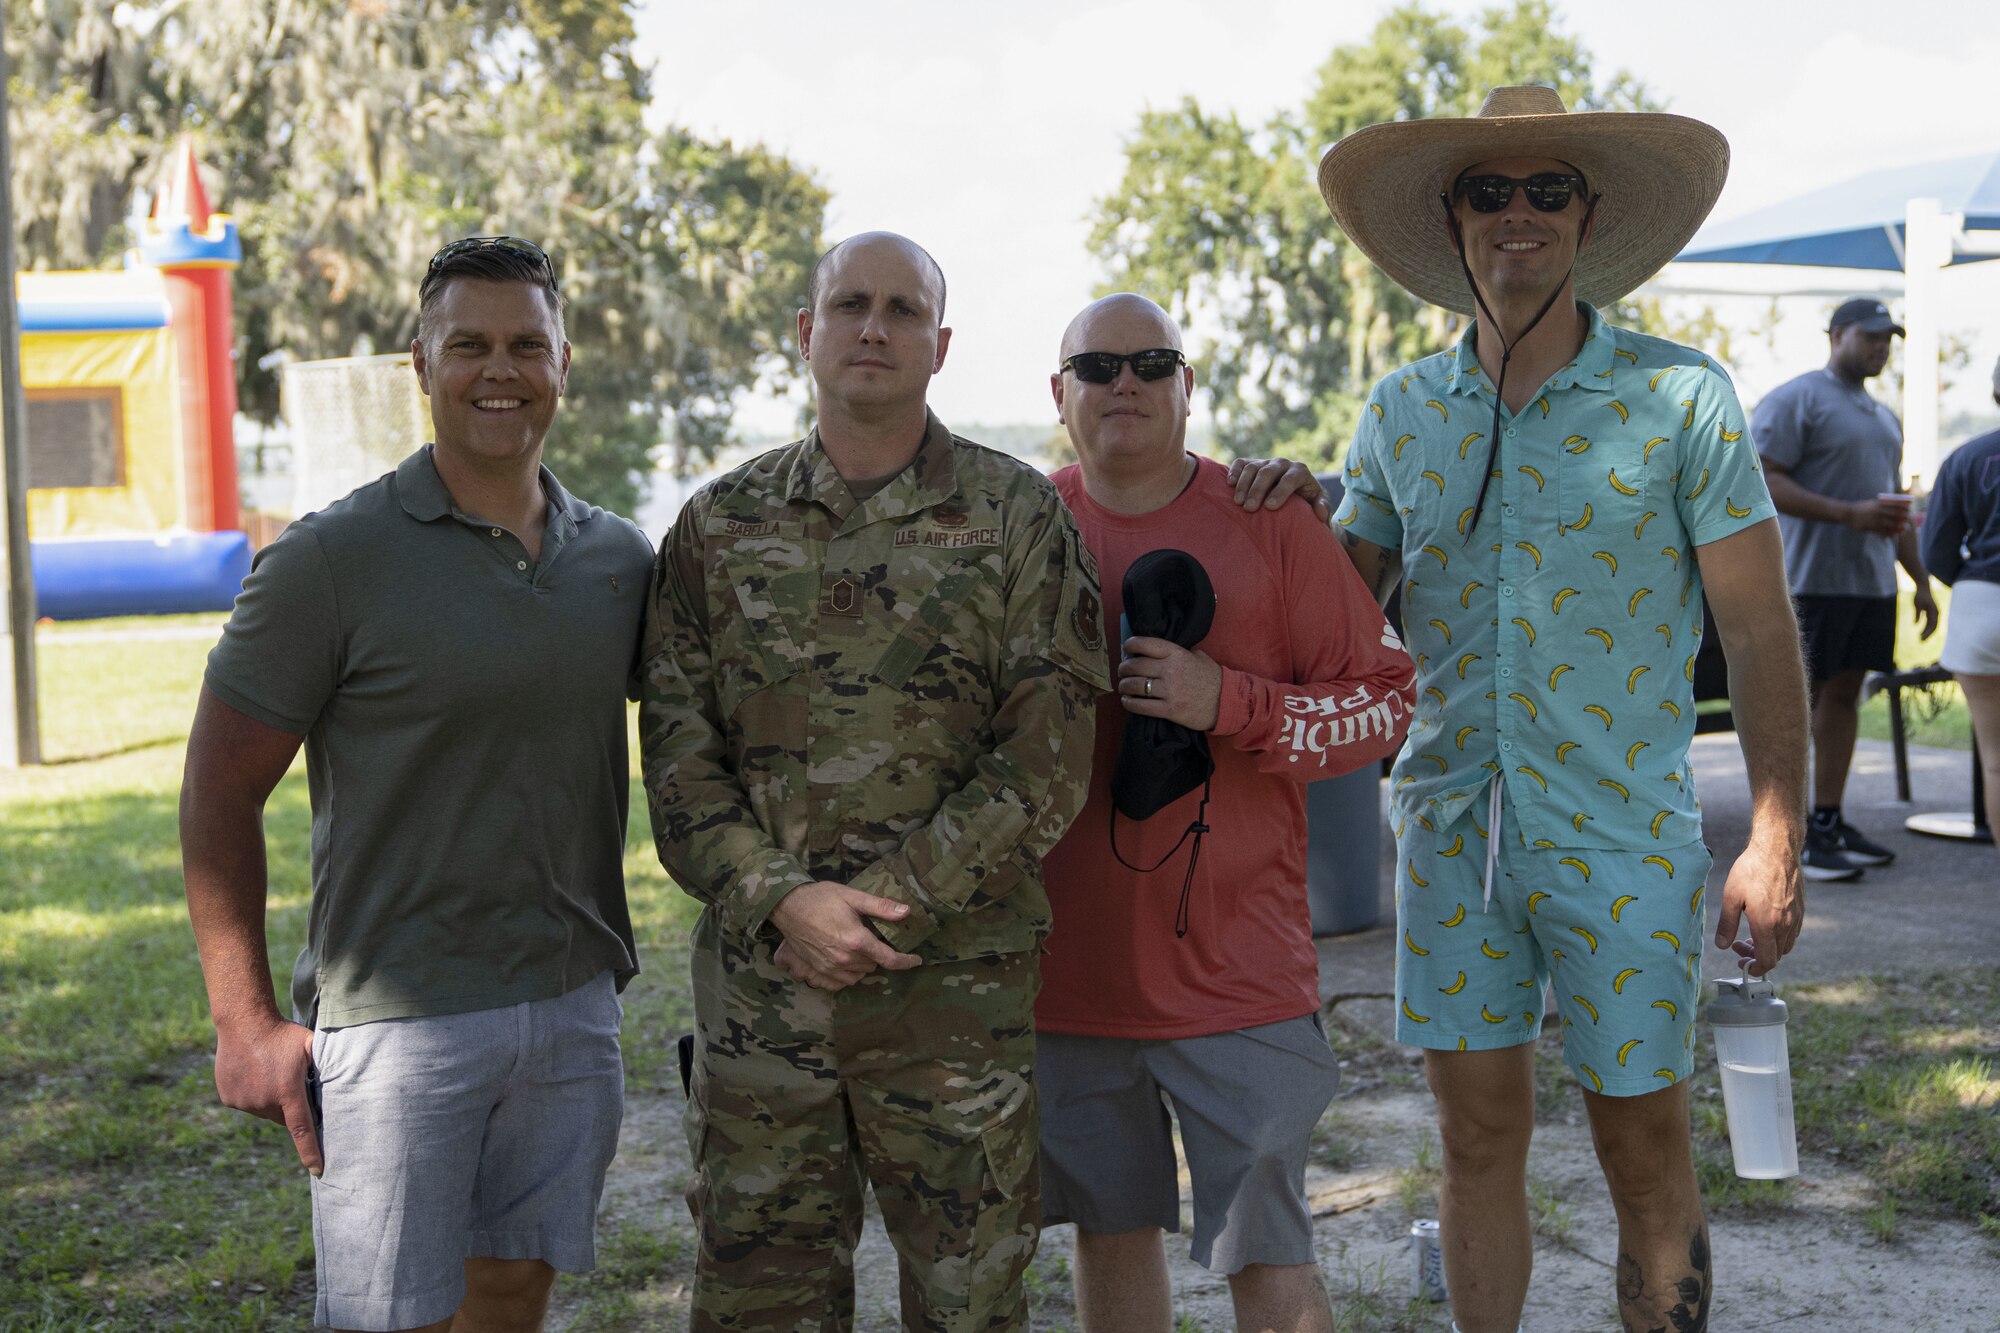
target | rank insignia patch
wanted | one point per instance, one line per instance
(840, 596)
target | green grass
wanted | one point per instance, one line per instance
(1896, 1077)
(129, 1199)
(1893, 1076)
(132, 1198)
(1933, 716)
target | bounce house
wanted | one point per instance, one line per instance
(131, 389)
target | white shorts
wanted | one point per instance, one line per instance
(1972, 629)
(461, 1136)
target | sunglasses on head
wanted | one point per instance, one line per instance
(511, 244)
(1102, 367)
(1548, 191)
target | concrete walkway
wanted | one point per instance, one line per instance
(1937, 905)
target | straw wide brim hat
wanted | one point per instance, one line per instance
(1658, 174)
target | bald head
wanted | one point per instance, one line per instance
(1125, 311)
(829, 264)
(1130, 433)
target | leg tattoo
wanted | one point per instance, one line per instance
(1687, 1292)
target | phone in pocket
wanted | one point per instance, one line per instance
(312, 1097)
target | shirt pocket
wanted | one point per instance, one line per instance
(943, 658)
(1612, 488)
(1614, 499)
(755, 595)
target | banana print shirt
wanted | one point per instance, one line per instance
(1555, 641)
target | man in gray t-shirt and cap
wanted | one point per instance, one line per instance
(1833, 458)
(453, 644)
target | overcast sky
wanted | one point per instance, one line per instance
(985, 131)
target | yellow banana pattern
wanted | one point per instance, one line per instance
(1522, 653)
(1617, 998)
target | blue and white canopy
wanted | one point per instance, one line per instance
(1858, 223)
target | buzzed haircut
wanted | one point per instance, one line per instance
(485, 263)
(815, 281)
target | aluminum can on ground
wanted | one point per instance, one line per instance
(1426, 1261)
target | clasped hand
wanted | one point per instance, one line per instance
(828, 943)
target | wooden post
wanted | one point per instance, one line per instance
(20, 727)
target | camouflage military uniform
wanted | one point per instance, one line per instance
(895, 695)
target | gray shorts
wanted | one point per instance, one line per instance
(1247, 1102)
(461, 1136)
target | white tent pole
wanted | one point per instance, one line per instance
(1927, 240)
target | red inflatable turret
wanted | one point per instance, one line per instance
(197, 250)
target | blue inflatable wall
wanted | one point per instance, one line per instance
(82, 578)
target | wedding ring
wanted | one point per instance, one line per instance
(1149, 687)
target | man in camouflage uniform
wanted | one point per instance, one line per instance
(870, 659)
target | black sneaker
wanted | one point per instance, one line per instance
(1822, 857)
(1858, 847)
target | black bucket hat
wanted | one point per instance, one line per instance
(1167, 595)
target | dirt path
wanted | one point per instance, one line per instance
(1816, 1263)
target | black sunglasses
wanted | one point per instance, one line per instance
(511, 244)
(1548, 191)
(1102, 367)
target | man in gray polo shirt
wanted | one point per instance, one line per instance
(1833, 458)
(454, 644)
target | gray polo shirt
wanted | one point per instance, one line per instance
(464, 715)
(1834, 438)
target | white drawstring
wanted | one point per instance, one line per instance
(1492, 838)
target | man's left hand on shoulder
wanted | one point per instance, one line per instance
(1159, 678)
(1266, 483)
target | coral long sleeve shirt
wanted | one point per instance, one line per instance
(1314, 684)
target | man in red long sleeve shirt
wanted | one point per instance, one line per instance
(1298, 678)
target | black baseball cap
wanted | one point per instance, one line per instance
(1870, 314)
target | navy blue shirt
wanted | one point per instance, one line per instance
(1962, 521)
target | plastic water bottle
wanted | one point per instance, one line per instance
(1748, 1020)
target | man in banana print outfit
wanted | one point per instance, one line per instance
(871, 658)
(1556, 496)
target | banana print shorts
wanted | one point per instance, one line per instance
(1617, 933)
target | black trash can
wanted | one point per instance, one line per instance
(1345, 830)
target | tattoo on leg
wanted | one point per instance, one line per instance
(1631, 1282)
(1690, 1292)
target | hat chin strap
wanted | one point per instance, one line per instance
(1196, 828)
(1507, 345)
